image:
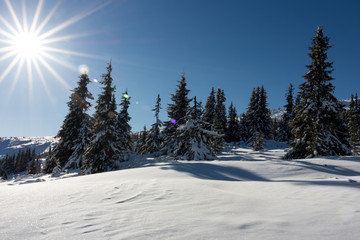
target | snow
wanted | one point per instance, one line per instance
(242, 195)
(12, 145)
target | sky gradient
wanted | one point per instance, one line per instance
(233, 45)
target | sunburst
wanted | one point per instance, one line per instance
(28, 47)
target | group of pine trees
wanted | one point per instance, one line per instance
(315, 123)
(25, 160)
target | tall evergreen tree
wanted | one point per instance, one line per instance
(155, 139)
(141, 144)
(209, 113)
(263, 115)
(123, 127)
(285, 123)
(103, 149)
(318, 129)
(194, 142)
(232, 128)
(220, 112)
(177, 112)
(49, 163)
(353, 119)
(74, 134)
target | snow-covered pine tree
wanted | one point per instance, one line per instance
(353, 119)
(220, 112)
(318, 128)
(258, 142)
(124, 129)
(263, 115)
(194, 142)
(70, 134)
(244, 127)
(49, 163)
(232, 127)
(177, 115)
(103, 149)
(141, 144)
(251, 115)
(209, 113)
(284, 134)
(155, 139)
(85, 122)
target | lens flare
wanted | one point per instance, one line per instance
(173, 121)
(95, 80)
(125, 96)
(83, 69)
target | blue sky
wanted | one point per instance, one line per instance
(233, 45)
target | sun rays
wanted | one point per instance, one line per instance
(28, 48)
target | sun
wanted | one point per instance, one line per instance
(27, 47)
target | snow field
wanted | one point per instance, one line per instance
(243, 195)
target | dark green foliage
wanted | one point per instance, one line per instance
(232, 128)
(353, 120)
(49, 163)
(141, 143)
(74, 134)
(220, 112)
(257, 119)
(317, 127)
(177, 112)
(154, 139)
(103, 149)
(194, 142)
(209, 113)
(284, 134)
(124, 140)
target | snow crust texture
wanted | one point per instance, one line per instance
(242, 195)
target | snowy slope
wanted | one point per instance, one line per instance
(12, 145)
(243, 195)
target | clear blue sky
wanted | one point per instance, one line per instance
(233, 45)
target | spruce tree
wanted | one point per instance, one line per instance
(353, 119)
(220, 112)
(103, 150)
(177, 112)
(49, 163)
(82, 139)
(74, 134)
(285, 123)
(194, 142)
(318, 129)
(123, 128)
(263, 115)
(232, 128)
(141, 144)
(209, 113)
(155, 139)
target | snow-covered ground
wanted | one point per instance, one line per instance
(12, 145)
(242, 195)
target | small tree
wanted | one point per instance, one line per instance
(155, 139)
(353, 119)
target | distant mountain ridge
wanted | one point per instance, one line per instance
(12, 145)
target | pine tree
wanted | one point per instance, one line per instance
(141, 144)
(258, 143)
(209, 113)
(74, 134)
(194, 142)
(220, 112)
(318, 129)
(263, 115)
(232, 128)
(353, 119)
(49, 163)
(155, 139)
(177, 112)
(285, 123)
(103, 149)
(123, 128)
(83, 137)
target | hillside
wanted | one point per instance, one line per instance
(242, 195)
(12, 145)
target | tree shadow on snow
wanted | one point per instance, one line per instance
(214, 172)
